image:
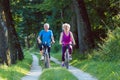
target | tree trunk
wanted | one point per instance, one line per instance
(27, 42)
(83, 26)
(13, 42)
(74, 26)
(4, 50)
(89, 33)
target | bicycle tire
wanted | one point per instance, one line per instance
(67, 59)
(46, 60)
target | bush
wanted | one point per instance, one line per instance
(110, 50)
(56, 47)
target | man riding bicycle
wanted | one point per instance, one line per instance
(66, 38)
(45, 36)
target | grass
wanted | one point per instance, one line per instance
(99, 69)
(52, 64)
(16, 71)
(57, 74)
(57, 55)
(102, 70)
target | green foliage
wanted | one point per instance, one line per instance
(57, 74)
(99, 69)
(110, 49)
(15, 72)
(48, 5)
(103, 15)
(56, 47)
(27, 20)
(30, 15)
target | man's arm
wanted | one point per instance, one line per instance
(39, 40)
(39, 36)
(52, 37)
(53, 41)
(60, 40)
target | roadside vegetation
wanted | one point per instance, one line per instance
(95, 25)
(57, 74)
(103, 62)
(15, 72)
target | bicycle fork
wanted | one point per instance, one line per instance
(67, 58)
(46, 59)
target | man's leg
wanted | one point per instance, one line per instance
(41, 51)
(49, 49)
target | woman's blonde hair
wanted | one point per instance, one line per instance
(65, 25)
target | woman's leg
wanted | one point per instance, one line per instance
(70, 52)
(63, 54)
(70, 49)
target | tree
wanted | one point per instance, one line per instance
(3, 39)
(13, 44)
(27, 20)
(85, 38)
(103, 16)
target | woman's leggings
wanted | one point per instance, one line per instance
(63, 51)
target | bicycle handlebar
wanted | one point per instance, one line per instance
(67, 44)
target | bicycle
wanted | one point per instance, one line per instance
(46, 55)
(67, 56)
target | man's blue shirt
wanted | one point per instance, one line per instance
(46, 36)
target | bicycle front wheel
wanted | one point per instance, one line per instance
(67, 59)
(46, 61)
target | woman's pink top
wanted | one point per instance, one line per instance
(66, 39)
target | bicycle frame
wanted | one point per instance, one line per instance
(67, 57)
(46, 56)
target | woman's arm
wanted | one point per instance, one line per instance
(60, 40)
(72, 38)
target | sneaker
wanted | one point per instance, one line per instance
(70, 57)
(63, 65)
(42, 58)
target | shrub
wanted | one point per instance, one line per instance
(110, 50)
(56, 47)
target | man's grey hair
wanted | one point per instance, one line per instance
(46, 24)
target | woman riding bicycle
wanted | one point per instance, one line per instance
(66, 38)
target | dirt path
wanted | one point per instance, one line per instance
(76, 72)
(36, 70)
